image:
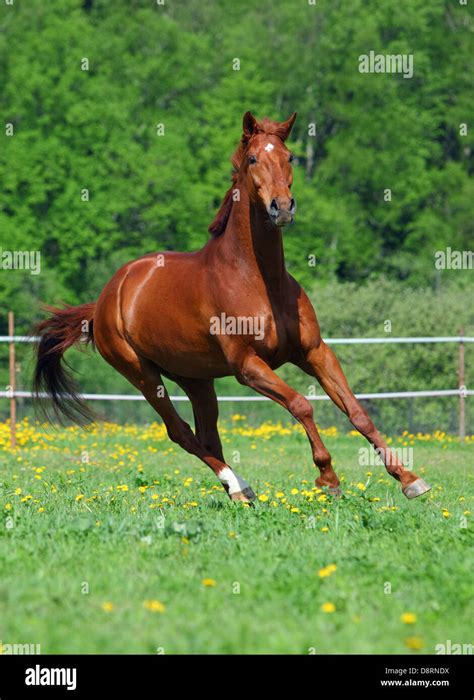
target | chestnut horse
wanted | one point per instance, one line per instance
(230, 308)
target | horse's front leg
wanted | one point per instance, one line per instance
(322, 363)
(255, 373)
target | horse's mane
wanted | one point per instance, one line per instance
(266, 126)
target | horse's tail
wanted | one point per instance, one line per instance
(65, 327)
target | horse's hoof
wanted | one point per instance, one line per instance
(334, 491)
(416, 488)
(244, 496)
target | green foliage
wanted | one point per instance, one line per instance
(95, 129)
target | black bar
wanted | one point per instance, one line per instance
(381, 676)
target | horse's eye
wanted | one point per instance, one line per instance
(251, 160)
(291, 158)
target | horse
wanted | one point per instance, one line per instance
(178, 315)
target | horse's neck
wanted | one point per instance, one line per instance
(251, 239)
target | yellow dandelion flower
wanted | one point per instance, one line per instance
(408, 618)
(154, 606)
(263, 497)
(361, 486)
(328, 607)
(327, 570)
(208, 582)
(324, 529)
(294, 510)
(8, 506)
(107, 606)
(415, 643)
(294, 492)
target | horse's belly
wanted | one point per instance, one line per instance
(191, 362)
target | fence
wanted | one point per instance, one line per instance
(461, 391)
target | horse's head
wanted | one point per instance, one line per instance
(266, 167)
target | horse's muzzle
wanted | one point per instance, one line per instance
(282, 213)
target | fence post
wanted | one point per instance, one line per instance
(462, 389)
(12, 369)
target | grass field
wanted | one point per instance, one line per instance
(116, 541)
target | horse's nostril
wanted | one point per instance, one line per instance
(292, 205)
(274, 205)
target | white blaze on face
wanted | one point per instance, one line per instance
(233, 482)
(269, 147)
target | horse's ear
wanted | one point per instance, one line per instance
(284, 128)
(249, 125)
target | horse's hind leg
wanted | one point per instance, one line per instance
(146, 377)
(203, 398)
(323, 364)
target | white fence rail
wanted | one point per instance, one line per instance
(462, 391)
(329, 341)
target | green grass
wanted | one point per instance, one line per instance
(117, 542)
